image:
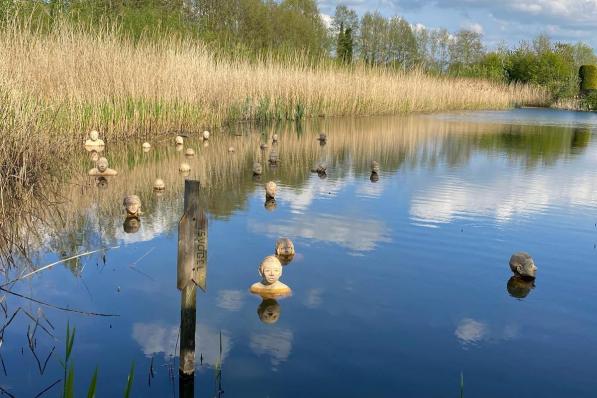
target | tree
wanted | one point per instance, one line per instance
(465, 50)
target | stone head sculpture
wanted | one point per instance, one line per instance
(270, 270)
(523, 265)
(284, 250)
(178, 140)
(270, 190)
(231, 149)
(132, 205)
(257, 169)
(206, 135)
(159, 185)
(93, 135)
(275, 138)
(374, 167)
(519, 287)
(269, 311)
(102, 164)
(189, 152)
(184, 168)
(146, 146)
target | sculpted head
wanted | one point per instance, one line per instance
(102, 164)
(269, 311)
(159, 185)
(179, 140)
(132, 204)
(93, 135)
(206, 135)
(270, 270)
(523, 265)
(270, 189)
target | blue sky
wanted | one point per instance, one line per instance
(499, 20)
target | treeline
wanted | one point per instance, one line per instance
(256, 27)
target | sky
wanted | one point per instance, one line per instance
(509, 21)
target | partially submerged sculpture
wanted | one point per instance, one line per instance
(270, 190)
(101, 169)
(93, 140)
(270, 286)
(184, 168)
(189, 152)
(284, 250)
(275, 138)
(159, 185)
(206, 135)
(268, 311)
(523, 265)
(374, 177)
(273, 156)
(132, 205)
(374, 167)
(520, 287)
(179, 147)
(322, 138)
(179, 140)
(146, 146)
(263, 146)
(231, 149)
(257, 169)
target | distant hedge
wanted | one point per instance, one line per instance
(588, 77)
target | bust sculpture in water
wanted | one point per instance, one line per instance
(101, 169)
(270, 270)
(269, 311)
(132, 205)
(93, 140)
(523, 265)
(284, 250)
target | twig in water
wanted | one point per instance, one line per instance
(45, 267)
(9, 321)
(55, 306)
(3, 366)
(36, 320)
(48, 388)
(3, 391)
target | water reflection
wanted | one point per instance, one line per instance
(273, 343)
(519, 287)
(269, 311)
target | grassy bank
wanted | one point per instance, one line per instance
(57, 85)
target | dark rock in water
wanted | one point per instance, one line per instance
(519, 287)
(523, 265)
(374, 177)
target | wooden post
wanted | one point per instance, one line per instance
(191, 271)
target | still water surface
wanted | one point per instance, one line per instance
(399, 285)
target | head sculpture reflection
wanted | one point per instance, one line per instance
(131, 225)
(269, 311)
(520, 287)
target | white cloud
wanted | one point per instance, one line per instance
(276, 344)
(231, 300)
(473, 26)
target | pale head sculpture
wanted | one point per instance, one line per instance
(146, 146)
(179, 140)
(132, 205)
(522, 264)
(159, 185)
(93, 140)
(275, 138)
(269, 311)
(184, 168)
(284, 250)
(519, 287)
(270, 270)
(374, 167)
(273, 157)
(270, 190)
(101, 169)
(206, 135)
(189, 152)
(257, 169)
(231, 149)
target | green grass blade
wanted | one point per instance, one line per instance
(92, 385)
(129, 384)
(69, 389)
(461, 385)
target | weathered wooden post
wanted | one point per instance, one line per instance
(191, 272)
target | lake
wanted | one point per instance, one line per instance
(400, 283)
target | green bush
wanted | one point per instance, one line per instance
(589, 100)
(588, 77)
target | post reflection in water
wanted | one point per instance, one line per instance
(191, 272)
